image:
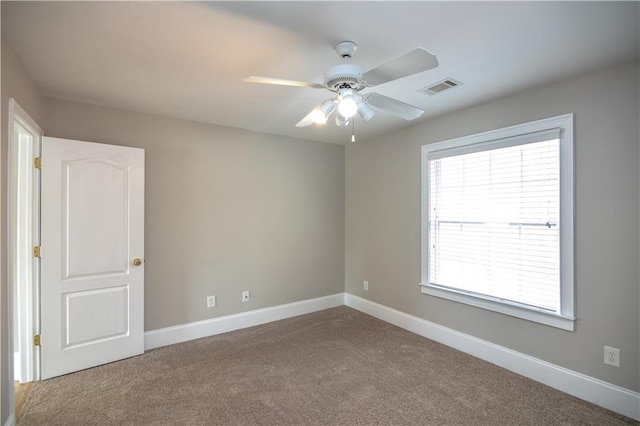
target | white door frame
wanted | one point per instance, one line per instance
(24, 234)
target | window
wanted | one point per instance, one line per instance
(498, 220)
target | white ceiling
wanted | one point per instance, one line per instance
(188, 59)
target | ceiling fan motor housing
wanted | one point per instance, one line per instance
(344, 75)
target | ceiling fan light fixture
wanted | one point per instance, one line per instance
(328, 107)
(341, 120)
(365, 111)
(347, 106)
(322, 113)
(318, 117)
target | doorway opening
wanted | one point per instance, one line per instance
(24, 238)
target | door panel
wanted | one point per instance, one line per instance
(92, 294)
(81, 308)
(104, 220)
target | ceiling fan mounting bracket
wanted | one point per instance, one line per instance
(346, 49)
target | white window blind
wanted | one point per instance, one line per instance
(497, 220)
(494, 220)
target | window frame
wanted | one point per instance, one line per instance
(565, 318)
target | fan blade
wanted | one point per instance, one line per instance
(281, 82)
(308, 120)
(413, 62)
(406, 111)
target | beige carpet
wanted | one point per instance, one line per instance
(337, 366)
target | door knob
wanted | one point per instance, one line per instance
(137, 262)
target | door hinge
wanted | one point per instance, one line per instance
(37, 162)
(36, 251)
(36, 340)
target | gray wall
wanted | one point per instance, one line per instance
(16, 84)
(226, 210)
(383, 222)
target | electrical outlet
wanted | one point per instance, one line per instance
(612, 356)
(245, 296)
(365, 285)
(211, 301)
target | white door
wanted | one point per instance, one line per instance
(92, 268)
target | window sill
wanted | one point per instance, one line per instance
(514, 310)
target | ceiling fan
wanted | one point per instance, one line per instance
(347, 79)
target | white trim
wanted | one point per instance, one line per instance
(16, 365)
(20, 161)
(480, 301)
(607, 395)
(23, 117)
(507, 132)
(195, 330)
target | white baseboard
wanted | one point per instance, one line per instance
(195, 330)
(612, 397)
(17, 367)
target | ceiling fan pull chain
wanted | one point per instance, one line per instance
(353, 131)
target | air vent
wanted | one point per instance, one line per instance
(440, 86)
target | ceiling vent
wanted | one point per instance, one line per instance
(440, 86)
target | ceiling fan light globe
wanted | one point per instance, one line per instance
(318, 116)
(328, 107)
(365, 112)
(342, 121)
(348, 106)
